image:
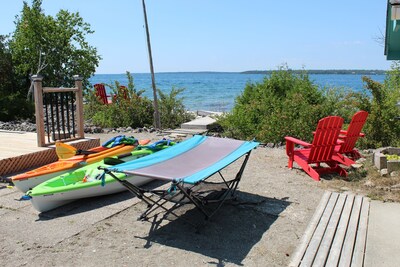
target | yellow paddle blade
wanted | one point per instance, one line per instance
(65, 151)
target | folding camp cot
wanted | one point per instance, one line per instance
(187, 166)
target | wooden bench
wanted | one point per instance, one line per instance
(337, 233)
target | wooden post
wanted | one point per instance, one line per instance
(38, 94)
(157, 122)
(79, 106)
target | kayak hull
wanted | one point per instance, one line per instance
(47, 202)
(30, 179)
(88, 181)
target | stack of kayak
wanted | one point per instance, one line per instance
(89, 181)
(71, 158)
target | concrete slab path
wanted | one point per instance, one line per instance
(383, 239)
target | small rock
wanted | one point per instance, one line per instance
(97, 130)
(396, 186)
(344, 188)
(270, 145)
(369, 184)
(361, 160)
(384, 172)
(357, 166)
(394, 174)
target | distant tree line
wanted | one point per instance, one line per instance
(360, 72)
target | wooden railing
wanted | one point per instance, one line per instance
(59, 112)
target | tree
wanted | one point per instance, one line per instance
(13, 103)
(54, 47)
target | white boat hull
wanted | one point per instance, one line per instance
(43, 203)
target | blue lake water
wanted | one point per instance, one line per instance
(216, 91)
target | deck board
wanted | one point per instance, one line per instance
(19, 151)
(327, 241)
(337, 233)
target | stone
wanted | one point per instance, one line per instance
(357, 166)
(395, 174)
(397, 186)
(369, 184)
(393, 165)
(380, 161)
(384, 172)
(270, 145)
(361, 160)
(366, 151)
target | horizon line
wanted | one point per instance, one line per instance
(247, 71)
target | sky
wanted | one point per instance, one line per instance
(227, 35)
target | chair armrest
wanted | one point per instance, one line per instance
(297, 141)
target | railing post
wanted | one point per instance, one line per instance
(79, 106)
(38, 94)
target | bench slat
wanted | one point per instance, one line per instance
(348, 246)
(319, 232)
(337, 233)
(326, 243)
(336, 247)
(359, 248)
(301, 249)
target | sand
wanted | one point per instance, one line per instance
(262, 228)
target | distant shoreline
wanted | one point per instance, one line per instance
(333, 71)
(353, 72)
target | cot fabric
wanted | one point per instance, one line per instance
(190, 161)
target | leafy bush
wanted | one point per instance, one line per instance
(172, 109)
(130, 109)
(289, 104)
(283, 104)
(381, 128)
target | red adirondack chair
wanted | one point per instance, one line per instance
(101, 93)
(349, 138)
(321, 150)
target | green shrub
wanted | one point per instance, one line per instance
(289, 104)
(283, 104)
(132, 110)
(172, 110)
(381, 128)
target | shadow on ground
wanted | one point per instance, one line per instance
(89, 204)
(228, 237)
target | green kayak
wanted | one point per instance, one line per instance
(89, 181)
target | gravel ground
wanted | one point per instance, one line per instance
(262, 228)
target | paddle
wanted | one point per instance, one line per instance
(65, 151)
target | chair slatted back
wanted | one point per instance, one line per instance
(353, 132)
(325, 139)
(101, 92)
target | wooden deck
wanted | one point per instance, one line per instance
(337, 233)
(19, 151)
